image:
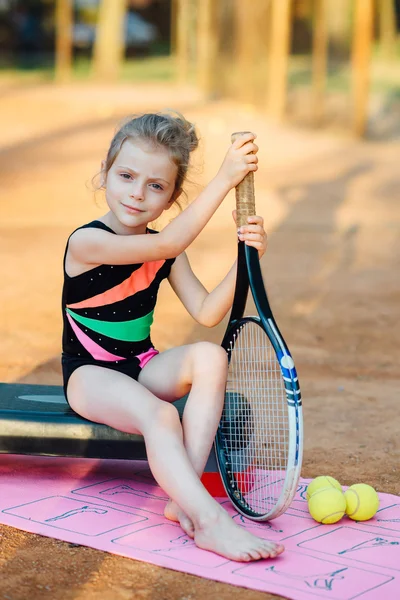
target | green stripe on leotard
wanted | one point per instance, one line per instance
(127, 331)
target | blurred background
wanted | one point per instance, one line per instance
(316, 62)
(319, 82)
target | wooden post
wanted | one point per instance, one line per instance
(206, 44)
(278, 59)
(319, 60)
(173, 20)
(338, 16)
(182, 28)
(224, 80)
(251, 50)
(244, 50)
(387, 27)
(109, 45)
(64, 24)
(361, 54)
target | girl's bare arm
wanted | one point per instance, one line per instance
(209, 308)
(95, 246)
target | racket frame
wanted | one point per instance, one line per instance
(249, 275)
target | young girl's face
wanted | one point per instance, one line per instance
(140, 185)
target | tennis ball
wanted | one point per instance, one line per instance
(362, 502)
(327, 505)
(323, 481)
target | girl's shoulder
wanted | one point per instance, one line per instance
(100, 225)
(93, 225)
(86, 248)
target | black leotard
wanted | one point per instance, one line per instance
(108, 312)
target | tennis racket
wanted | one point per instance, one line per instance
(260, 436)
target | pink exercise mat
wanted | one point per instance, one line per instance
(115, 506)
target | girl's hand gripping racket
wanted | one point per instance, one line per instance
(260, 437)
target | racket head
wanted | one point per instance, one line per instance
(259, 439)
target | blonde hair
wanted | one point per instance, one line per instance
(168, 130)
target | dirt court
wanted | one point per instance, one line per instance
(332, 210)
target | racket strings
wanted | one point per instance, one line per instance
(255, 423)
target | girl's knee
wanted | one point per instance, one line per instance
(165, 415)
(210, 357)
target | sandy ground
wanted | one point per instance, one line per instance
(331, 206)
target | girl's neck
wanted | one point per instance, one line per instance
(119, 228)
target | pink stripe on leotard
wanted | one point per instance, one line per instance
(99, 353)
(146, 356)
(94, 349)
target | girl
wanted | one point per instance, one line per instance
(113, 267)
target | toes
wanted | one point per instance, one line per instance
(190, 532)
(256, 554)
(270, 550)
(266, 553)
(245, 557)
(187, 527)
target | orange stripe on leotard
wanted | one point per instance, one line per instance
(139, 280)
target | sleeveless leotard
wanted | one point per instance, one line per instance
(108, 312)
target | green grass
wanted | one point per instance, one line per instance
(26, 75)
(377, 50)
(384, 75)
(156, 68)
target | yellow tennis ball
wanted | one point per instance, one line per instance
(323, 481)
(362, 502)
(327, 505)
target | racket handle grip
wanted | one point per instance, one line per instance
(245, 196)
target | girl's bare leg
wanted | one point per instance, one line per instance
(109, 397)
(202, 369)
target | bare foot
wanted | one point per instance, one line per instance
(223, 536)
(174, 513)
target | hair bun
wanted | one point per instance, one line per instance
(188, 128)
